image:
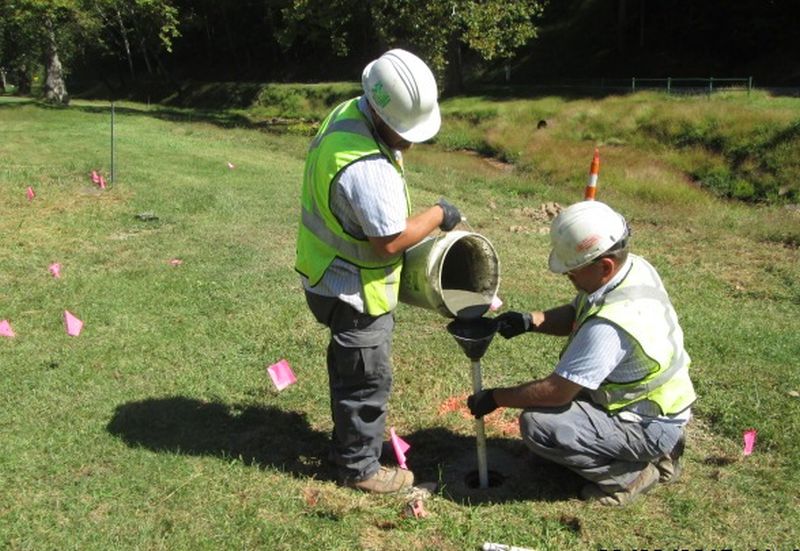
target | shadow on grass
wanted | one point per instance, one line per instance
(267, 437)
(262, 436)
(9, 102)
(440, 455)
(221, 118)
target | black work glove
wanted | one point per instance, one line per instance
(482, 403)
(511, 324)
(451, 215)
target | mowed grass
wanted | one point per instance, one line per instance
(158, 428)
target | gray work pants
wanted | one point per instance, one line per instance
(600, 447)
(360, 381)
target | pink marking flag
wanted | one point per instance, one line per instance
(102, 183)
(281, 374)
(176, 261)
(417, 509)
(231, 165)
(496, 303)
(72, 324)
(5, 330)
(95, 177)
(30, 193)
(55, 269)
(749, 437)
(400, 448)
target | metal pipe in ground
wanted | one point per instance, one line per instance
(480, 433)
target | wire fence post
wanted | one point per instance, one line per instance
(749, 85)
(112, 141)
(633, 84)
(669, 85)
(710, 85)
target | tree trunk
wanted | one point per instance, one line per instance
(55, 89)
(143, 48)
(125, 42)
(454, 73)
(22, 80)
(232, 44)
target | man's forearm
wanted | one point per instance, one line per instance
(553, 391)
(418, 227)
(557, 321)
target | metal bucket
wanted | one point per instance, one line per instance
(456, 273)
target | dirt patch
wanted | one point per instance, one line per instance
(502, 166)
(493, 162)
(496, 422)
(535, 220)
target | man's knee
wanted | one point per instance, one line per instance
(546, 429)
(535, 428)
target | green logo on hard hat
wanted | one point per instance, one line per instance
(379, 95)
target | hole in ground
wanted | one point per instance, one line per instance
(473, 479)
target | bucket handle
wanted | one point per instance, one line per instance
(463, 221)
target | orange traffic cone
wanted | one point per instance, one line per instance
(594, 171)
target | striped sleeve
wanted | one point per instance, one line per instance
(375, 197)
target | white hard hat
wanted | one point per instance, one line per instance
(582, 232)
(402, 90)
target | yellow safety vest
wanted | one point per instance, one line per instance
(344, 137)
(640, 306)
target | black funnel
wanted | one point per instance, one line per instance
(473, 335)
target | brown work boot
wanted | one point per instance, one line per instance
(670, 467)
(643, 483)
(669, 470)
(386, 480)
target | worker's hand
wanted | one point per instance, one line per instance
(482, 403)
(451, 215)
(511, 324)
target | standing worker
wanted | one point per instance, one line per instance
(615, 407)
(355, 226)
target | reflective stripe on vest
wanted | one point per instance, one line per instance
(344, 137)
(657, 335)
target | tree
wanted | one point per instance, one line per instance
(128, 28)
(56, 32)
(45, 31)
(436, 30)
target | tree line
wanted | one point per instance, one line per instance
(125, 43)
(121, 41)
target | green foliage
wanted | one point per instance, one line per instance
(760, 157)
(81, 28)
(323, 23)
(738, 147)
(433, 29)
(492, 29)
(497, 29)
(312, 101)
(215, 95)
(143, 24)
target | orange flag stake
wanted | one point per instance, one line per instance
(594, 171)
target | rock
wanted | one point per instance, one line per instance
(551, 209)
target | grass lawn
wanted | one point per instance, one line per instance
(158, 428)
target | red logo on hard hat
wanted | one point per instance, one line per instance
(587, 243)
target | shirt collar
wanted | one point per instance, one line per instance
(595, 297)
(363, 106)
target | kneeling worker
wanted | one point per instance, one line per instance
(615, 407)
